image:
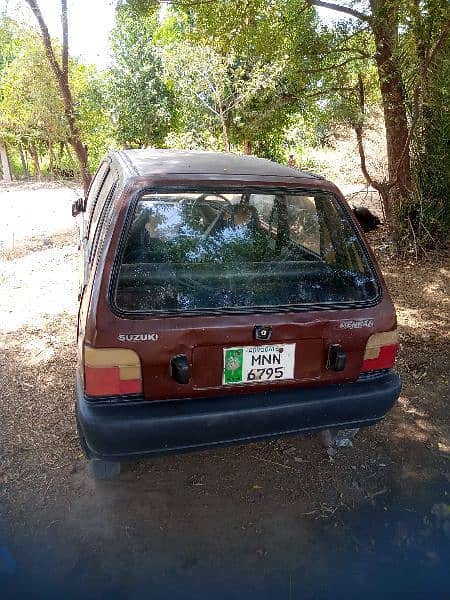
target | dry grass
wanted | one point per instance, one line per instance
(339, 161)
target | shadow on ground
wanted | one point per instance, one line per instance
(267, 520)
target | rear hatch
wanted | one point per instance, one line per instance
(218, 292)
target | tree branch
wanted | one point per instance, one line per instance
(325, 92)
(381, 187)
(431, 55)
(333, 67)
(362, 155)
(359, 51)
(361, 95)
(210, 108)
(183, 3)
(45, 38)
(358, 127)
(438, 45)
(338, 8)
(65, 41)
(61, 76)
(315, 94)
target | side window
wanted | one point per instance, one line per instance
(94, 189)
(102, 208)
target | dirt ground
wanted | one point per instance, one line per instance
(277, 519)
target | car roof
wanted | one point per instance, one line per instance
(159, 162)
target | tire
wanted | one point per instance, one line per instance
(82, 441)
(104, 469)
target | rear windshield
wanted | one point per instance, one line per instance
(210, 251)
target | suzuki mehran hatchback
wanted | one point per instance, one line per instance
(224, 299)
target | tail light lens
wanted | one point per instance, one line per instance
(381, 351)
(111, 372)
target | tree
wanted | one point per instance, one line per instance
(278, 35)
(426, 69)
(141, 104)
(381, 51)
(383, 19)
(60, 70)
(349, 90)
(7, 52)
(223, 87)
(31, 108)
(4, 160)
(337, 62)
(96, 129)
(32, 111)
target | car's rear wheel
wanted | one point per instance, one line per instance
(100, 469)
(82, 441)
(104, 469)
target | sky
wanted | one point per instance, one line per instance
(90, 22)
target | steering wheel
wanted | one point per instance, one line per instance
(204, 196)
(227, 209)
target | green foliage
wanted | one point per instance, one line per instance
(428, 214)
(424, 221)
(263, 44)
(264, 75)
(14, 162)
(91, 104)
(141, 104)
(9, 31)
(223, 91)
(31, 107)
(197, 138)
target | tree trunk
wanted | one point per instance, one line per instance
(385, 31)
(384, 23)
(69, 154)
(248, 147)
(381, 187)
(226, 142)
(61, 73)
(51, 159)
(74, 134)
(23, 160)
(6, 169)
(35, 159)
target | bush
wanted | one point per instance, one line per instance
(423, 223)
(426, 219)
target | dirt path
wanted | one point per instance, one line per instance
(268, 520)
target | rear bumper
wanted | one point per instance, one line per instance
(127, 430)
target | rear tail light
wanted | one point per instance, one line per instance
(111, 372)
(381, 351)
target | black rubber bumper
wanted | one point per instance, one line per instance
(127, 430)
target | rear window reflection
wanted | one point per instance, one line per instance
(202, 251)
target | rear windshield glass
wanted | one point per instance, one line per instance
(203, 251)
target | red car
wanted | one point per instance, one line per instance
(224, 299)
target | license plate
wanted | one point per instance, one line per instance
(253, 364)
